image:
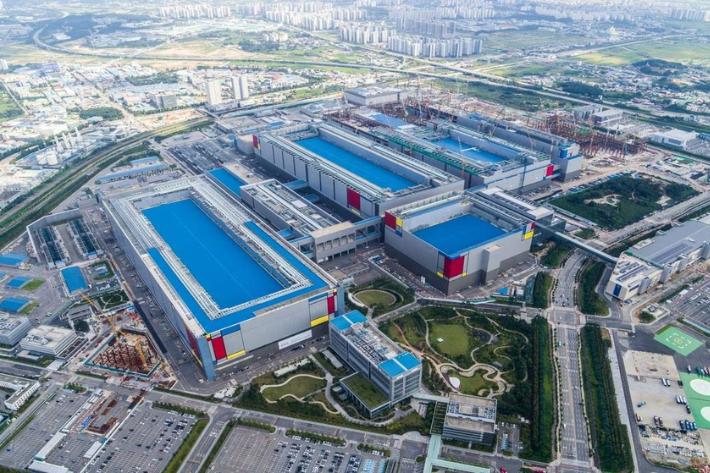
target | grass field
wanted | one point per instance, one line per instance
(455, 339)
(365, 391)
(372, 297)
(508, 40)
(112, 299)
(30, 307)
(32, 285)
(677, 340)
(619, 202)
(298, 385)
(684, 51)
(473, 385)
(8, 108)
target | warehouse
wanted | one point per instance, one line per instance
(385, 374)
(457, 239)
(315, 232)
(376, 96)
(229, 289)
(656, 259)
(351, 171)
(480, 159)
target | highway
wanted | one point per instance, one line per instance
(574, 446)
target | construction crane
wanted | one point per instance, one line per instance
(118, 333)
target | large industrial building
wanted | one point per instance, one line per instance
(480, 159)
(227, 284)
(482, 150)
(656, 259)
(316, 233)
(470, 419)
(385, 374)
(457, 239)
(351, 171)
(564, 154)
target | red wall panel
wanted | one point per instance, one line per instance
(390, 221)
(550, 170)
(331, 304)
(353, 199)
(219, 351)
(453, 268)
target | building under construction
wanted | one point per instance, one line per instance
(591, 141)
(127, 352)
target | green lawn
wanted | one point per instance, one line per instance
(299, 386)
(455, 339)
(32, 285)
(619, 202)
(29, 308)
(412, 325)
(472, 385)
(365, 390)
(8, 107)
(112, 299)
(373, 297)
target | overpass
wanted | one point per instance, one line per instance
(597, 253)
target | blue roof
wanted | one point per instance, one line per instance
(228, 179)
(367, 170)
(459, 234)
(392, 368)
(74, 279)
(2, 275)
(132, 172)
(149, 159)
(12, 259)
(387, 120)
(468, 150)
(13, 304)
(231, 320)
(408, 360)
(346, 320)
(399, 364)
(18, 281)
(221, 266)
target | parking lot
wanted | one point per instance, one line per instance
(47, 421)
(145, 442)
(248, 450)
(693, 304)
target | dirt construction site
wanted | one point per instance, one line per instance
(127, 352)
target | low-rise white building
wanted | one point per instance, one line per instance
(676, 138)
(48, 340)
(24, 389)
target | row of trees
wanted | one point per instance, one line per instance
(541, 289)
(107, 113)
(590, 302)
(612, 449)
(532, 399)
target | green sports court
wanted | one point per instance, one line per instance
(677, 340)
(697, 391)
